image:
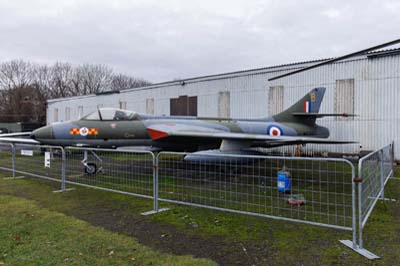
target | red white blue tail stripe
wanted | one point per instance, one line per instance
(306, 107)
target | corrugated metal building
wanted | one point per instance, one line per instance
(368, 86)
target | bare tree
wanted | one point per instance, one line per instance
(22, 104)
(61, 74)
(95, 78)
(25, 87)
(43, 80)
(16, 73)
(124, 82)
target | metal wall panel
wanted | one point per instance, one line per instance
(150, 106)
(275, 100)
(344, 98)
(224, 104)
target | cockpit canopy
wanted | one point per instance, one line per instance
(113, 114)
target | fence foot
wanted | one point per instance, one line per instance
(17, 177)
(361, 251)
(383, 199)
(63, 190)
(154, 212)
(389, 199)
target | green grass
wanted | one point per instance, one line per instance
(31, 235)
(290, 243)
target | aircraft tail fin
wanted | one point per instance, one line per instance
(305, 110)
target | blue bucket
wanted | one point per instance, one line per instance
(284, 184)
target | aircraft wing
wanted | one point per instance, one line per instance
(14, 138)
(165, 131)
(319, 115)
(17, 134)
(18, 140)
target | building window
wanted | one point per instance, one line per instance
(344, 98)
(275, 100)
(80, 111)
(67, 113)
(55, 118)
(150, 106)
(183, 105)
(224, 106)
(122, 105)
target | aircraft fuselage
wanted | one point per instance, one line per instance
(115, 133)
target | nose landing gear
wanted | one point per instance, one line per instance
(91, 168)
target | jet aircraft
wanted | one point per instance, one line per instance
(112, 128)
(204, 137)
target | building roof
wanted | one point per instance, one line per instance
(275, 68)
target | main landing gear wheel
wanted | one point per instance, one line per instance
(91, 168)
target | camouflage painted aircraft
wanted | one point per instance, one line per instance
(205, 137)
(112, 128)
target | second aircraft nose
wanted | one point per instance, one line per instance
(43, 133)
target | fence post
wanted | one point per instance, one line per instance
(381, 158)
(13, 152)
(392, 157)
(63, 159)
(155, 183)
(359, 185)
(354, 217)
(360, 227)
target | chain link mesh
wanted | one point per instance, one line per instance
(117, 170)
(30, 160)
(6, 157)
(374, 169)
(321, 189)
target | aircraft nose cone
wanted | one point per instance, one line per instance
(42, 133)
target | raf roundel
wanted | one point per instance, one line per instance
(274, 131)
(83, 131)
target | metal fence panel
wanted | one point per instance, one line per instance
(387, 162)
(375, 169)
(6, 157)
(321, 192)
(122, 171)
(39, 161)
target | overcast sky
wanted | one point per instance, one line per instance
(166, 39)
